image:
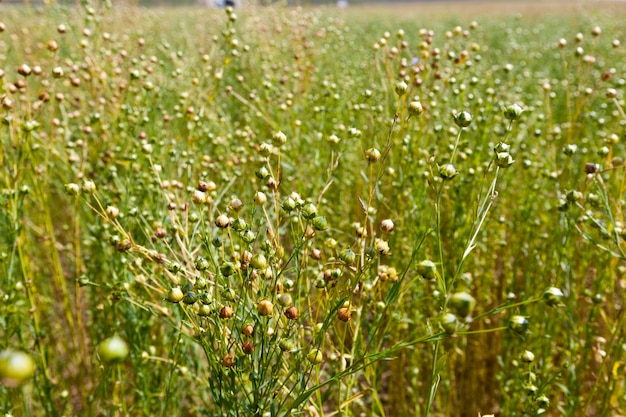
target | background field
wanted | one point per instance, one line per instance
(384, 210)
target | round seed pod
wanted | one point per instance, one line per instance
(518, 324)
(247, 347)
(320, 223)
(315, 356)
(265, 308)
(228, 361)
(113, 349)
(285, 299)
(15, 367)
(372, 155)
(259, 262)
(286, 345)
(448, 171)
(347, 256)
(190, 298)
(248, 330)
(415, 108)
(344, 314)
(387, 225)
(175, 295)
(527, 356)
(292, 313)
(427, 269)
(226, 312)
(204, 310)
(401, 87)
(553, 296)
(449, 323)
(463, 119)
(513, 112)
(222, 221)
(462, 303)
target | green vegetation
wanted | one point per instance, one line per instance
(284, 212)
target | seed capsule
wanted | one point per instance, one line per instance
(292, 313)
(265, 308)
(113, 349)
(415, 108)
(518, 324)
(427, 269)
(462, 303)
(226, 312)
(344, 314)
(372, 155)
(15, 367)
(248, 347)
(527, 356)
(401, 88)
(553, 296)
(449, 323)
(387, 225)
(248, 330)
(463, 119)
(513, 112)
(222, 221)
(315, 356)
(228, 361)
(175, 295)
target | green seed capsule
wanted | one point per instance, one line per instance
(113, 349)
(427, 269)
(449, 323)
(518, 324)
(175, 295)
(227, 269)
(553, 296)
(15, 367)
(462, 303)
(320, 223)
(401, 87)
(239, 224)
(513, 112)
(415, 108)
(259, 262)
(527, 356)
(348, 256)
(315, 356)
(309, 211)
(448, 171)
(286, 345)
(463, 119)
(190, 298)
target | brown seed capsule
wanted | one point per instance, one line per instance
(248, 330)
(265, 307)
(222, 221)
(228, 361)
(316, 254)
(292, 313)
(344, 314)
(247, 347)
(226, 312)
(590, 168)
(24, 70)
(52, 45)
(160, 233)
